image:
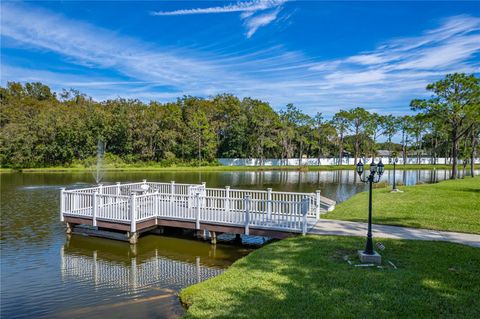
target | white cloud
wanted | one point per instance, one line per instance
(390, 74)
(248, 10)
(260, 20)
(247, 7)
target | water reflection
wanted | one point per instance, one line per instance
(133, 274)
(119, 273)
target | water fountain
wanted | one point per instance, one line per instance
(98, 171)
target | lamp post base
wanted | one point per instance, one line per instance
(376, 258)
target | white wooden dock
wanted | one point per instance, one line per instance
(139, 207)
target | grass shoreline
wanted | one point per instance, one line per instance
(218, 168)
(451, 205)
(309, 276)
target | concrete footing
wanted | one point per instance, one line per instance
(376, 258)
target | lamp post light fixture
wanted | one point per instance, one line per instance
(376, 172)
(394, 160)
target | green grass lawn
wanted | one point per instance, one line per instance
(307, 277)
(452, 205)
(214, 168)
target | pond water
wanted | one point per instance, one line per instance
(46, 274)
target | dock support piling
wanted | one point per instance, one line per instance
(238, 239)
(132, 237)
(213, 238)
(68, 228)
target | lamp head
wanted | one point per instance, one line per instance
(373, 167)
(359, 167)
(380, 168)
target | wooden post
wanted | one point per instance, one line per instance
(172, 190)
(94, 209)
(133, 217)
(227, 199)
(247, 214)
(317, 208)
(305, 202)
(118, 188)
(197, 217)
(269, 203)
(62, 203)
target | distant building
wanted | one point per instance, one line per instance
(383, 153)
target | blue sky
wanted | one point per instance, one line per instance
(320, 56)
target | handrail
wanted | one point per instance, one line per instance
(193, 202)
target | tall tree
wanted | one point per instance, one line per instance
(340, 122)
(455, 100)
(358, 123)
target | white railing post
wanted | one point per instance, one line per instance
(204, 194)
(305, 202)
(269, 203)
(144, 181)
(172, 190)
(317, 207)
(247, 214)
(62, 203)
(94, 209)
(190, 197)
(157, 204)
(227, 199)
(197, 215)
(118, 188)
(133, 213)
(100, 189)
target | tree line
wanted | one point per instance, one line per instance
(42, 128)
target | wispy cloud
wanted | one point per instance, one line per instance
(386, 76)
(253, 20)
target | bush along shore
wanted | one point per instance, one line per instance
(210, 167)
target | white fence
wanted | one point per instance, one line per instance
(327, 161)
(137, 202)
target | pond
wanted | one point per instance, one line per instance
(44, 273)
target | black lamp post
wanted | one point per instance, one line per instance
(394, 161)
(376, 171)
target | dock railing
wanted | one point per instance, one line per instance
(136, 202)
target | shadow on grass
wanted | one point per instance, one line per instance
(307, 277)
